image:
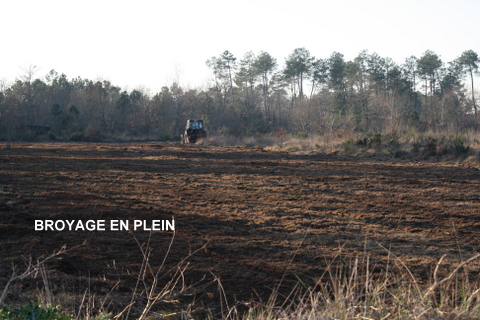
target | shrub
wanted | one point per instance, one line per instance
(457, 145)
(93, 134)
(429, 147)
(393, 148)
(348, 146)
(416, 147)
(362, 142)
(300, 135)
(77, 136)
(90, 134)
(280, 133)
(375, 141)
(454, 144)
(25, 135)
(32, 311)
(414, 120)
(166, 137)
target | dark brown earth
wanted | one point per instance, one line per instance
(261, 215)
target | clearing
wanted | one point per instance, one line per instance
(263, 215)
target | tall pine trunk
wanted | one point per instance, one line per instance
(473, 96)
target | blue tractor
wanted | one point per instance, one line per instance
(194, 131)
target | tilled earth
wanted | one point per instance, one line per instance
(255, 220)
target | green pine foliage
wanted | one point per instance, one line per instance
(254, 95)
(32, 311)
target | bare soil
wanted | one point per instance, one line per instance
(267, 218)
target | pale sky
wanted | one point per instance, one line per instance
(135, 43)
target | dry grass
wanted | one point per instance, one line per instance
(349, 143)
(353, 290)
(356, 291)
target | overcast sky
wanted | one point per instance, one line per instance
(149, 43)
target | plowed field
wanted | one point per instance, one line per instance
(263, 216)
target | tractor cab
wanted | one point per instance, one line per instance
(194, 131)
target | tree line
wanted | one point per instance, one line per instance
(254, 95)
